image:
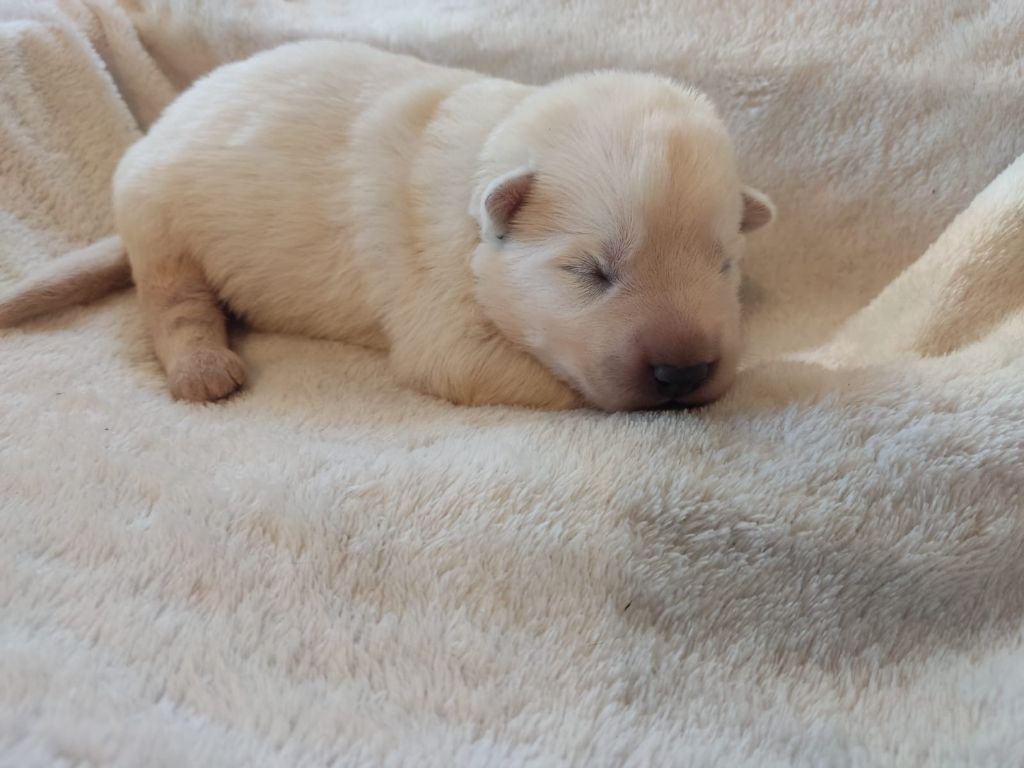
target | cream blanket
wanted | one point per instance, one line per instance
(825, 568)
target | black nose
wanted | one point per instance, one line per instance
(675, 382)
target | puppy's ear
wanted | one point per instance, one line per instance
(758, 210)
(503, 198)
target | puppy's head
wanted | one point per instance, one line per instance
(612, 225)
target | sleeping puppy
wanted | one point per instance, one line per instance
(505, 244)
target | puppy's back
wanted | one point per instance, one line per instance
(252, 173)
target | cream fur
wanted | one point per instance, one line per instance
(823, 568)
(379, 172)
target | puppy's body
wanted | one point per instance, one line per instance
(505, 244)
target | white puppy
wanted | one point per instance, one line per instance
(506, 244)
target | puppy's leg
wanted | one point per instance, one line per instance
(188, 330)
(470, 368)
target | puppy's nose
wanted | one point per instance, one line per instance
(674, 381)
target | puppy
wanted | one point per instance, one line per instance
(505, 244)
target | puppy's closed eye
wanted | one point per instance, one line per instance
(591, 273)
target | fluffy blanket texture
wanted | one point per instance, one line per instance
(825, 568)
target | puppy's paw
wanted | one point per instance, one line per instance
(205, 374)
(559, 399)
(541, 391)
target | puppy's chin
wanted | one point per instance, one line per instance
(618, 400)
(591, 396)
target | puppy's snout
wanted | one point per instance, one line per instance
(674, 381)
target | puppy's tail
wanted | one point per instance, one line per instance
(77, 278)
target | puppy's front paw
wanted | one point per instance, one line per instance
(560, 399)
(541, 391)
(206, 374)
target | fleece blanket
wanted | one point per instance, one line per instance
(826, 568)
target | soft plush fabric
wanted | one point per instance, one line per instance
(825, 568)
